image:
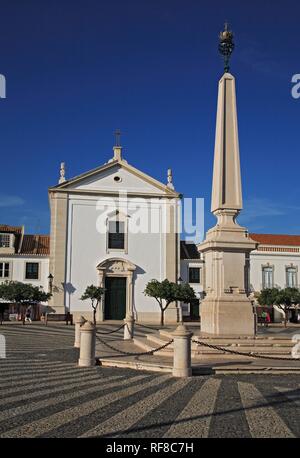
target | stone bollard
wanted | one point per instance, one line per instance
(182, 352)
(129, 327)
(87, 344)
(78, 323)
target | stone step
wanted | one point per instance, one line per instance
(154, 341)
(266, 339)
(262, 348)
(151, 342)
(202, 369)
(229, 342)
(146, 345)
(240, 347)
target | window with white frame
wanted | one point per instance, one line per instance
(32, 271)
(5, 240)
(194, 274)
(116, 234)
(267, 277)
(291, 277)
(4, 269)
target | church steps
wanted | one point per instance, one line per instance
(240, 342)
(151, 341)
(165, 332)
(155, 341)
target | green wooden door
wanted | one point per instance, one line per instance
(115, 298)
(194, 307)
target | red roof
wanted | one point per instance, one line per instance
(11, 229)
(276, 239)
(36, 244)
(28, 244)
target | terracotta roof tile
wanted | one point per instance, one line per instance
(274, 239)
(36, 245)
(44, 245)
(11, 229)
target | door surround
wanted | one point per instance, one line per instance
(116, 267)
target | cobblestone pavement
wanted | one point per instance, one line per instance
(44, 394)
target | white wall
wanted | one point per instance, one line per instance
(86, 248)
(17, 269)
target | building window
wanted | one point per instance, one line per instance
(267, 277)
(194, 274)
(32, 271)
(4, 240)
(116, 235)
(4, 270)
(291, 277)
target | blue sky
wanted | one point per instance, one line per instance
(77, 70)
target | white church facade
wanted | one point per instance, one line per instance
(114, 227)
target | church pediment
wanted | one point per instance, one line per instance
(115, 177)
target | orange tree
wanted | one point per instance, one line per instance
(285, 299)
(94, 293)
(166, 292)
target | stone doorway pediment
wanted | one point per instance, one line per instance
(116, 266)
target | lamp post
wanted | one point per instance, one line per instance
(179, 281)
(50, 283)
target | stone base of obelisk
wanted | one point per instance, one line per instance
(230, 315)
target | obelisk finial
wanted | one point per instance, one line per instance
(226, 46)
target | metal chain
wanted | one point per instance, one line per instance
(150, 352)
(111, 332)
(234, 352)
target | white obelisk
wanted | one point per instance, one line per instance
(226, 309)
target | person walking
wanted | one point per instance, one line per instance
(264, 317)
(268, 319)
(28, 314)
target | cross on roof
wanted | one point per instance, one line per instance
(117, 134)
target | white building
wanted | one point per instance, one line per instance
(192, 272)
(275, 263)
(24, 257)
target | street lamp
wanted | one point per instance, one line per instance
(50, 282)
(179, 281)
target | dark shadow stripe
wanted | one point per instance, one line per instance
(167, 411)
(11, 403)
(284, 407)
(79, 426)
(45, 412)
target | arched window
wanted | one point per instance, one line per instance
(267, 277)
(291, 277)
